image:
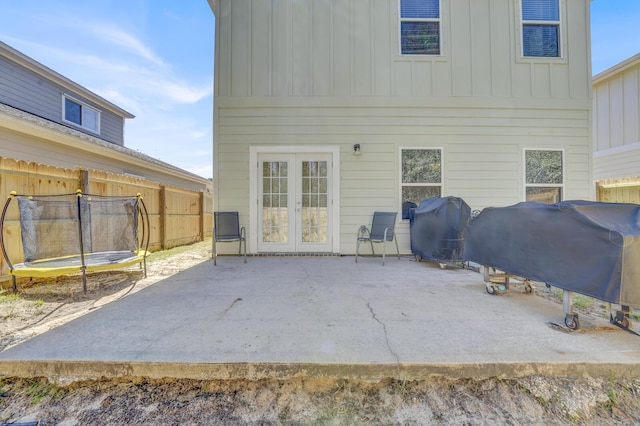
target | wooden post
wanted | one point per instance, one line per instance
(84, 181)
(163, 217)
(202, 210)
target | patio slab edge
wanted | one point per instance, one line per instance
(71, 371)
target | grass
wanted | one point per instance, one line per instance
(579, 300)
(8, 297)
(40, 389)
(164, 254)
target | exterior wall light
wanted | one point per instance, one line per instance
(356, 149)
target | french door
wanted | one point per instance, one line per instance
(295, 202)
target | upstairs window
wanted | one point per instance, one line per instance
(541, 28)
(80, 114)
(421, 174)
(420, 27)
(544, 175)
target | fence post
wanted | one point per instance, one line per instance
(202, 210)
(84, 181)
(163, 217)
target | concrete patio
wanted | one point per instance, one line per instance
(278, 317)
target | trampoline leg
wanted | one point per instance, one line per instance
(15, 284)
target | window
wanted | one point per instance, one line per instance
(83, 115)
(420, 27)
(421, 174)
(541, 28)
(544, 175)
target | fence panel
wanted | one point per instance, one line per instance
(625, 190)
(177, 216)
(183, 220)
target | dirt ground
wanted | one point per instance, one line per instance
(46, 303)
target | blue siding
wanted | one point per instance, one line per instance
(23, 89)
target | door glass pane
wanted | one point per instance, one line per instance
(314, 201)
(275, 213)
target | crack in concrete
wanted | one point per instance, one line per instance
(384, 329)
(229, 308)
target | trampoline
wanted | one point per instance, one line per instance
(71, 233)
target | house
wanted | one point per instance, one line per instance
(328, 110)
(47, 118)
(616, 121)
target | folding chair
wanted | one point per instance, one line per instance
(382, 230)
(226, 229)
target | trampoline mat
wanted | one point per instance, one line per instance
(90, 259)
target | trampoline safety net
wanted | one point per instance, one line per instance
(57, 229)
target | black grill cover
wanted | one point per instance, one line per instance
(581, 246)
(437, 228)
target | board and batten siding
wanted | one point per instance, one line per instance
(329, 72)
(350, 48)
(26, 90)
(616, 121)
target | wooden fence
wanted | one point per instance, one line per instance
(177, 216)
(626, 190)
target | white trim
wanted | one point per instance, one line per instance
(525, 185)
(68, 137)
(82, 105)
(441, 184)
(254, 151)
(617, 150)
(618, 68)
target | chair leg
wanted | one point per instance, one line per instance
(357, 247)
(244, 243)
(397, 249)
(384, 249)
(214, 253)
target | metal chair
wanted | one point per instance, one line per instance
(382, 230)
(226, 229)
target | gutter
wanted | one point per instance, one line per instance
(30, 124)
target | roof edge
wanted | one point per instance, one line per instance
(213, 4)
(46, 72)
(616, 69)
(90, 143)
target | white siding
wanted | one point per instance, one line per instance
(483, 148)
(617, 163)
(333, 75)
(616, 122)
(350, 48)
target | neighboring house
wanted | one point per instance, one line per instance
(47, 118)
(328, 110)
(616, 121)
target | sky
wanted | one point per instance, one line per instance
(154, 58)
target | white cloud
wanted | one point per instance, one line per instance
(180, 92)
(120, 38)
(173, 112)
(203, 170)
